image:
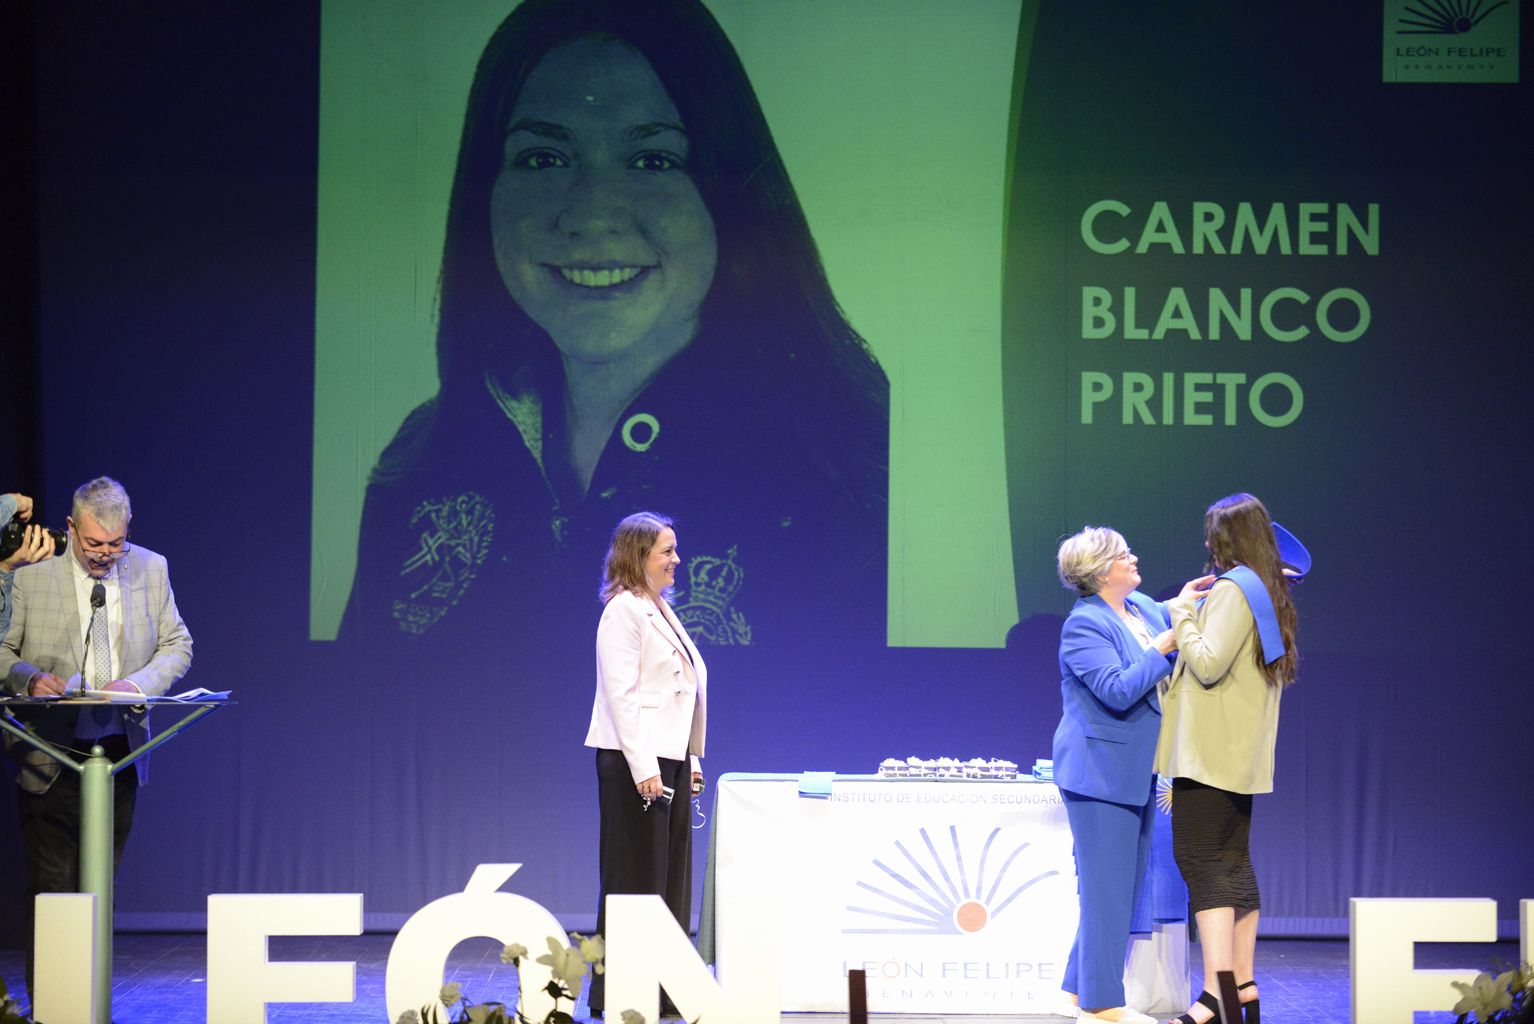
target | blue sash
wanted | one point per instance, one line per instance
(1262, 610)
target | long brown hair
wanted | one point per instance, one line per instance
(1239, 531)
(623, 568)
(769, 313)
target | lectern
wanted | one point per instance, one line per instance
(96, 807)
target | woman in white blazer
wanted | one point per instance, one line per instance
(647, 725)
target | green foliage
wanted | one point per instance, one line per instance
(568, 964)
(10, 1009)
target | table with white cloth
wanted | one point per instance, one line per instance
(954, 895)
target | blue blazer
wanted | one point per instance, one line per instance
(1106, 741)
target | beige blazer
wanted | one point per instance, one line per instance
(1219, 716)
(651, 687)
(46, 635)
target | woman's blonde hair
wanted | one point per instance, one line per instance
(1086, 557)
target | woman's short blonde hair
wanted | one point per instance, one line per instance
(1087, 556)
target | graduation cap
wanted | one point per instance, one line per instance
(1293, 557)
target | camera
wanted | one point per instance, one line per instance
(14, 531)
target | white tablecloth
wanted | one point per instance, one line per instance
(953, 895)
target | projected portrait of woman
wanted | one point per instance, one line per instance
(632, 313)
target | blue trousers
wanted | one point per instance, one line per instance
(1113, 843)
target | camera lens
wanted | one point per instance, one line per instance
(14, 532)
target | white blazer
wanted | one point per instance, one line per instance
(650, 699)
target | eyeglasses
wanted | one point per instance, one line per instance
(111, 549)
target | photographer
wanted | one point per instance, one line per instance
(36, 546)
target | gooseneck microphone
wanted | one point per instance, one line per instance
(98, 600)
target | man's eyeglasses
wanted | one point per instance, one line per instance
(111, 549)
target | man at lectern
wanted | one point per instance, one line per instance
(103, 617)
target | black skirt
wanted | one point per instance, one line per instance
(1211, 832)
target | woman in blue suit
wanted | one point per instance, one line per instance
(1114, 647)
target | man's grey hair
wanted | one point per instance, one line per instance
(106, 501)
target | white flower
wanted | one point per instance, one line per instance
(1484, 996)
(593, 951)
(633, 1017)
(565, 964)
(452, 991)
(512, 953)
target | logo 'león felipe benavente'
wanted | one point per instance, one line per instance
(1444, 17)
(934, 893)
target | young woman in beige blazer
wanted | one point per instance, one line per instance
(1219, 724)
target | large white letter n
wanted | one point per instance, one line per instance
(646, 948)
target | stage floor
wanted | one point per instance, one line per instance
(160, 979)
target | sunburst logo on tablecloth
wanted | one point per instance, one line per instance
(941, 893)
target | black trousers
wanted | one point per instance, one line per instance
(50, 831)
(642, 850)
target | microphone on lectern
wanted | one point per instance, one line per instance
(98, 600)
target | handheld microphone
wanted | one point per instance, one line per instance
(98, 601)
